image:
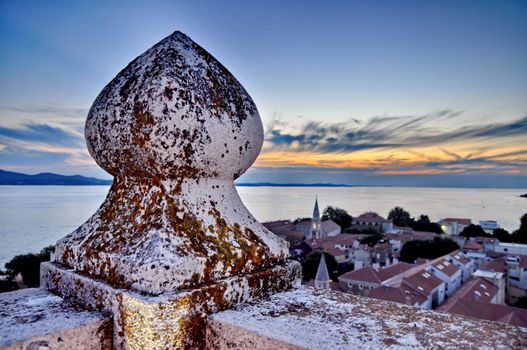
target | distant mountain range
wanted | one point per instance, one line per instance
(272, 184)
(12, 178)
(47, 179)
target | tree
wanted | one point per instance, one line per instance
(400, 217)
(362, 230)
(6, 282)
(473, 231)
(520, 235)
(28, 265)
(310, 267)
(521, 303)
(430, 249)
(502, 235)
(339, 215)
(372, 239)
(299, 220)
(424, 224)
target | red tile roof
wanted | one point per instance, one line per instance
(459, 221)
(401, 294)
(371, 217)
(365, 274)
(496, 265)
(330, 242)
(388, 272)
(495, 255)
(369, 274)
(422, 282)
(471, 245)
(479, 289)
(485, 239)
(523, 261)
(280, 227)
(446, 267)
(486, 311)
(457, 255)
(335, 252)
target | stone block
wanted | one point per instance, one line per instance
(35, 319)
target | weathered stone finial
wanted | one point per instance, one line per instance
(172, 242)
(175, 128)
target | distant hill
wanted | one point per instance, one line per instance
(12, 178)
(272, 184)
(46, 179)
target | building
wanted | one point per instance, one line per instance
(489, 225)
(516, 277)
(454, 226)
(489, 243)
(449, 273)
(374, 221)
(475, 252)
(512, 248)
(466, 265)
(316, 228)
(428, 285)
(382, 253)
(361, 256)
(498, 279)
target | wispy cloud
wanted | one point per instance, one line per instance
(43, 147)
(42, 133)
(387, 132)
(438, 142)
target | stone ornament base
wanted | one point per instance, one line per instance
(170, 320)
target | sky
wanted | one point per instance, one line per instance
(389, 93)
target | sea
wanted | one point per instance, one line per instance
(32, 217)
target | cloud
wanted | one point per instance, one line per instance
(42, 133)
(435, 143)
(43, 146)
(387, 132)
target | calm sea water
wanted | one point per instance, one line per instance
(32, 217)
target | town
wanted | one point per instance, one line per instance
(453, 265)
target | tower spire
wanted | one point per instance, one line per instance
(316, 212)
(322, 276)
(316, 223)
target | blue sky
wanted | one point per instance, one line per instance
(358, 92)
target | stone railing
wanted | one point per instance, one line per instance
(173, 245)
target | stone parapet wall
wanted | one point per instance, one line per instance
(308, 319)
(302, 318)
